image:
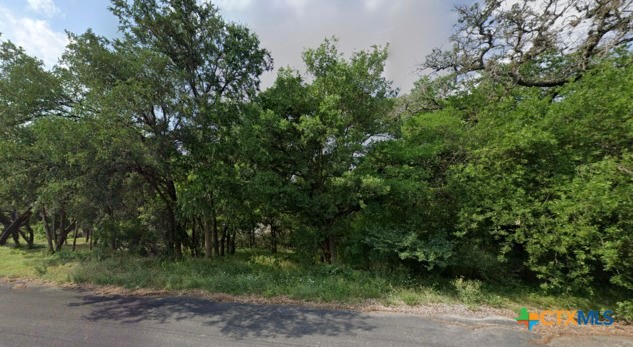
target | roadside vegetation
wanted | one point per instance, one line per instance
(258, 273)
(503, 178)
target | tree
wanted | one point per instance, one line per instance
(311, 136)
(535, 43)
(157, 95)
(412, 220)
(27, 93)
(212, 63)
(546, 187)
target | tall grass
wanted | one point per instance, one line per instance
(247, 273)
(256, 272)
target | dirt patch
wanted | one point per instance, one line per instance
(548, 334)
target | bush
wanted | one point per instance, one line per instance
(468, 291)
(625, 311)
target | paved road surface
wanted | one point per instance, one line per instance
(45, 316)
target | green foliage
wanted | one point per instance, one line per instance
(547, 182)
(308, 137)
(469, 291)
(532, 186)
(107, 137)
(283, 275)
(625, 311)
(246, 274)
(411, 217)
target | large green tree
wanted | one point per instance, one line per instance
(214, 66)
(311, 135)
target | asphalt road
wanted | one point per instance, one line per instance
(47, 316)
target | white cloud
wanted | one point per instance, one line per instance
(287, 27)
(46, 7)
(35, 36)
(372, 5)
(299, 6)
(233, 5)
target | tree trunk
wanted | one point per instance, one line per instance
(177, 231)
(232, 244)
(75, 237)
(273, 238)
(12, 229)
(49, 232)
(193, 247)
(63, 235)
(216, 242)
(21, 233)
(222, 242)
(229, 237)
(223, 239)
(60, 239)
(15, 235)
(332, 245)
(31, 235)
(207, 238)
(4, 220)
(54, 229)
(199, 236)
(328, 247)
(178, 243)
(251, 238)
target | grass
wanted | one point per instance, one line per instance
(256, 272)
(34, 264)
(247, 273)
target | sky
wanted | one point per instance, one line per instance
(285, 27)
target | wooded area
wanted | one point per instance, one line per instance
(511, 159)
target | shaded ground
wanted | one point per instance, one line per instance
(36, 315)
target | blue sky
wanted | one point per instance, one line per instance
(285, 27)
